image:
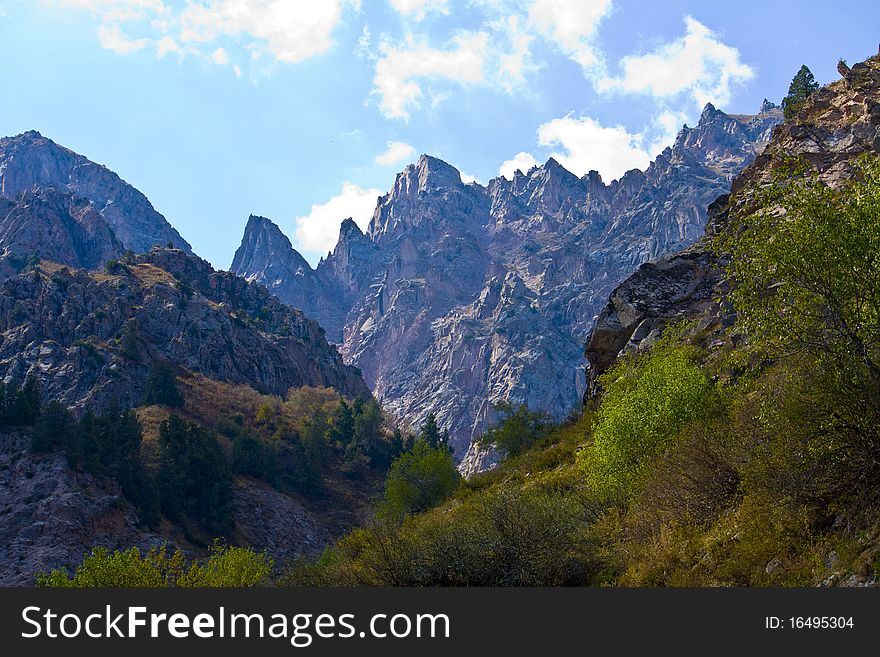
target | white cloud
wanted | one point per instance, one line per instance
(417, 9)
(697, 64)
(288, 31)
(319, 230)
(112, 38)
(165, 45)
(572, 25)
(586, 145)
(514, 64)
(396, 152)
(220, 57)
(521, 161)
(399, 69)
(467, 178)
(291, 30)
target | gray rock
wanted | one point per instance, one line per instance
(29, 160)
(462, 296)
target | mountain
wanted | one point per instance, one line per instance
(45, 222)
(103, 216)
(836, 125)
(460, 296)
(68, 327)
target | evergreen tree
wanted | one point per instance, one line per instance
(129, 341)
(53, 429)
(23, 404)
(430, 432)
(343, 425)
(803, 85)
(194, 479)
(162, 387)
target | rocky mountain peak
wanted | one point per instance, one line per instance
(265, 248)
(435, 174)
(463, 296)
(768, 106)
(30, 159)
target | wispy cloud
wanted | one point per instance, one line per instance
(287, 31)
(396, 153)
(418, 9)
(401, 69)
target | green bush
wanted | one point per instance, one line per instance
(648, 400)
(418, 480)
(225, 567)
(518, 430)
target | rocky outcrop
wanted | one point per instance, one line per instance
(30, 160)
(51, 516)
(68, 328)
(461, 296)
(44, 222)
(836, 125)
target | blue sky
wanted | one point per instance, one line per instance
(304, 111)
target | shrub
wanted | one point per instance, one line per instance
(518, 430)
(648, 400)
(418, 480)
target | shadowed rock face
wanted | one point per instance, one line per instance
(65, 326)
(30, 160)
(53, 516)
(45, 222)
(460, 296)
(837, 124)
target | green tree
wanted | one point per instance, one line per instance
(807, 270)
(128, 343)
(802, 86)
(23, 404)
(53, 429)
(161, 387)
(648, 400)
(194, 479)
(418, 480)
(430, 432)
(518, 429)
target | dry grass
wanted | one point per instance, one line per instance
(150, 275)
(48, 267)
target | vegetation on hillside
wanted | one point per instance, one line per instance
(743, 456)
(752, 463)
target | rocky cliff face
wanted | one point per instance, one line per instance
(51, 516)
(461, 296)
(30, 160)
(45, 222)
(67, 327)
(837, 124)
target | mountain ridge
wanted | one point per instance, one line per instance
(464, 296)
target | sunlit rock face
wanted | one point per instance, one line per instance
(460, 296)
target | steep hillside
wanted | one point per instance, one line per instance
(462, 296)
(91, 338)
